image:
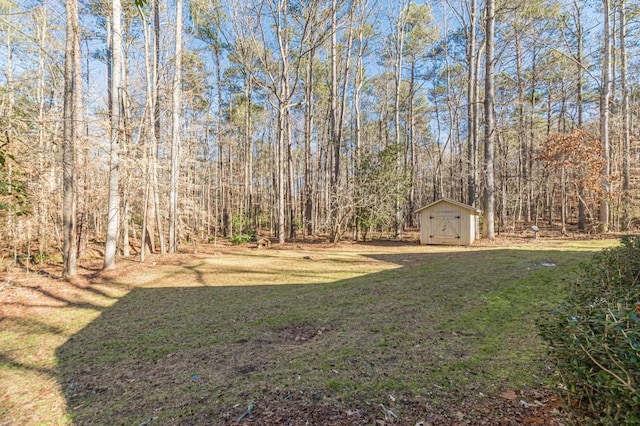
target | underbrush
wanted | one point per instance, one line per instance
(594, 337)
(243, 237)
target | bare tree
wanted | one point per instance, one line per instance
(403, 12)
(42, 25)
(626, 133)
(72, 123)
(151, 205)
(605, 95)
(489, 126)
(156, 124)
(582, 217)
(113, 209)
(176, 100)
(333, 127)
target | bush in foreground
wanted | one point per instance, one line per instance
(594, 336)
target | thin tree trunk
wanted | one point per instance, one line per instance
(626, 148)
(113, 209)
(81, 202)
(82, 167)
(357, 130)
(308, 134)
(290, 184)
(563, 200)
(333, 129)
(283, 97)
(532, 131)
(157, 129)
(411, 152)
(248, 143)
(472, 108)
(42, 31)
(281, 169)
(126, 213)
(489, 191)
(72, 112)
(450, 118)
(126, 135)
(147, 235)
(175, 132)
(582, 208)
(524, 177)
(79, 152)
(605, 92)
(400, 34)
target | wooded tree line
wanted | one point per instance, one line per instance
(147, 125)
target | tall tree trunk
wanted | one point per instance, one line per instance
(157, 126)
(291, 196)
(42, 225)
(489, 136)
(148, 232)
(333, 129)
(125, 205)
(524, 176)
(308, 134)
(451, 142)
(532, 126)
(357, 130)
(221, 213)
(582, 207)
(400, 34)
(176, 100)
(605, 93)
(72, 121)
(82, 166)
(626, 148)
(280, 170)
(343, 105)
(113, 209)
(283, 97)
(411, 151)
(472, 108)
(248, 144)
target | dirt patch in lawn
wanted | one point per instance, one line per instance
(297, 333)
(374, 333)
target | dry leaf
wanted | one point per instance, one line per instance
(510, 395)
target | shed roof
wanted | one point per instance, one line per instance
(473, 210)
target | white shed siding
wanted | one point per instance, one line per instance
(448, 222)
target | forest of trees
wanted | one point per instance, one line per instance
(146, 125)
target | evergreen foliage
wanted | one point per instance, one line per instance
(13, 190)
(594, 336)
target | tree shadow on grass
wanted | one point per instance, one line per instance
(410, 344)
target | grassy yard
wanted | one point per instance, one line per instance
(326, 335)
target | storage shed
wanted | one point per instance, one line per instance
(448, 222)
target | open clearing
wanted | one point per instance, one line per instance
(343, 335)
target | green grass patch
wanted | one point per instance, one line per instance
(405, 327)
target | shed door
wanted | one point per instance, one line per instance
(445, 227)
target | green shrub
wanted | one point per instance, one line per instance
(41, 257)
(594, 337)
(242, 238)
